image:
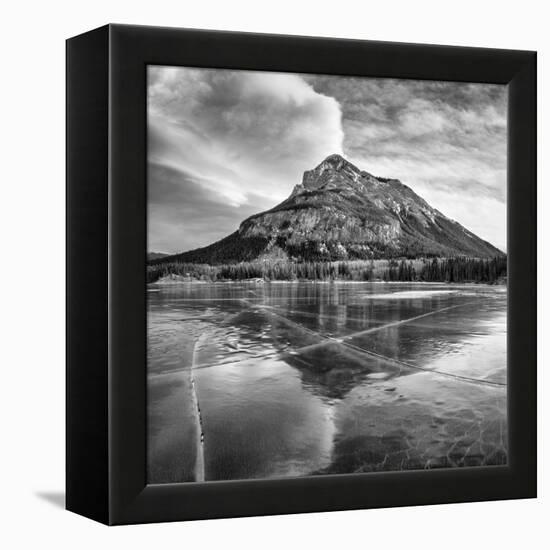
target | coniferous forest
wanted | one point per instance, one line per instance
(450, 270)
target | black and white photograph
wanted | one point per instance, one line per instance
(326, 275)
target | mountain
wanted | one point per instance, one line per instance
(155, 255)
(340, 212)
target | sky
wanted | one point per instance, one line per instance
(226, 144)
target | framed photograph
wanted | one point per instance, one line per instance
(301, 274)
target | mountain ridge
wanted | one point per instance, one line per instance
(339, 212)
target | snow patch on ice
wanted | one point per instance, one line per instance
(409, 294)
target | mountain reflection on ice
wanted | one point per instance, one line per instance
(296, 379)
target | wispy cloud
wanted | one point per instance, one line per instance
(187, 214)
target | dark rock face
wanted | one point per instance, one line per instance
(340, 212)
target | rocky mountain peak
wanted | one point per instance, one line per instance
(334, 169)
(337, 162)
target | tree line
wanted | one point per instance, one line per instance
(452, 270)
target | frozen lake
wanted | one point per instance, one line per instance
(290, 379)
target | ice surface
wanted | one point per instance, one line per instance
(299, 378)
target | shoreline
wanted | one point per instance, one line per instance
(173, 282)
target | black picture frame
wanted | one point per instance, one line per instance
(106, 257)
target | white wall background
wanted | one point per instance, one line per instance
(32, 275)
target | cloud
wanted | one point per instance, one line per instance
(183, 213)
(240, 132)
